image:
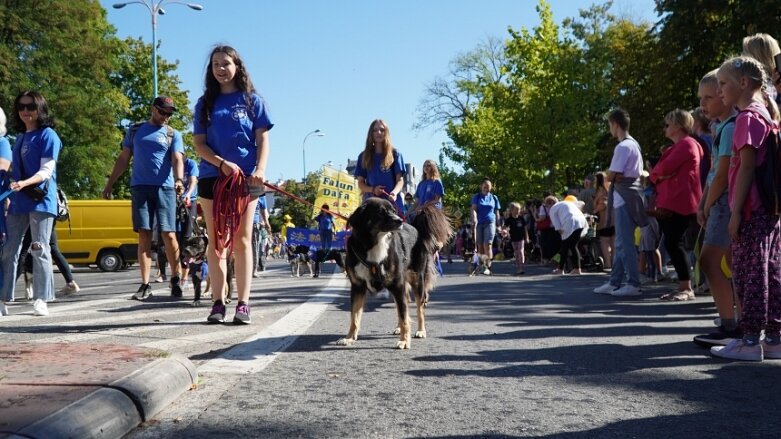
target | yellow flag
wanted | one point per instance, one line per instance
(340, 191)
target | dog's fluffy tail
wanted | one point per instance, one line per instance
(433, 226)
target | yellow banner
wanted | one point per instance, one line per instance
(340, 191)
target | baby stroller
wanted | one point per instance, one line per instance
(591, 258)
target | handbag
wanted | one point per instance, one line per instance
(651, 209)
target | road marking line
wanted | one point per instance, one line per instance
(257, 352)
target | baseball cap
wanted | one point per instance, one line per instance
(164, 102)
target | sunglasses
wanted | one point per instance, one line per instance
(164, 113)
(32, 106)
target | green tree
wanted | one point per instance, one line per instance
(301, 213)
(67, 51)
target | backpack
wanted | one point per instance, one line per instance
(134, 129)
(768, 174)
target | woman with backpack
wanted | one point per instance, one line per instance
(34, 204)
(485, 215)
(753, 227)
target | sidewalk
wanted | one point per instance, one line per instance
(85, 390)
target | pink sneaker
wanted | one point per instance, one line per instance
(771, 351)
(738, 350)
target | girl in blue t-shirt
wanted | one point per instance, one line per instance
(485, 212)
(34, 204)
(430, 189)
(230, 133)
(380, 168)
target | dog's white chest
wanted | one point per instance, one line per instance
(375, 255)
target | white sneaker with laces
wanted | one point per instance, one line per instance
(3, 309)
(738, 350)
(40, 308)
(626, 291)
(606, 288)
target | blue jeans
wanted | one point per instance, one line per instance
(40, 224)
(625, 252)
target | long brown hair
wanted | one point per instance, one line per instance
(212, 87)
(434, 175)
(368, 150)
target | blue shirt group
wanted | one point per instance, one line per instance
(152, 154)
(231, 130)
(376, 176)
(28, 151)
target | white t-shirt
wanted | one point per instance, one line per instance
(628, 161)
(567, 217)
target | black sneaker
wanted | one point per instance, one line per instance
(719, 338)
(176, 289)
(144, 292)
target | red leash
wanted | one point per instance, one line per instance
(231, 198)
(297, 198)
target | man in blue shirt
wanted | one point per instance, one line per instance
(157, 152)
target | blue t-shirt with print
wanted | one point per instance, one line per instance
(258, 208)
(231, 131)
(28, 151)
(487, 205)
(190, 170)
(5, 153)
(382, 177)
(428, 190)
(152, 155)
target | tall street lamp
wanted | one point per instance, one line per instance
(317, 133)
(155, 9)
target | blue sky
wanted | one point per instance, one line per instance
(337, 65)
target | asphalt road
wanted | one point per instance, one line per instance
(505, 356)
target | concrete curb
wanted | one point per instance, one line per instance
(115, 410)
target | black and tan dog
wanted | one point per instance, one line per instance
(386, 252)
(299, 255)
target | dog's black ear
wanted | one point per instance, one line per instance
(357, 216)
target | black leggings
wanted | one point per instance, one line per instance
(673, 229)
(570, 246)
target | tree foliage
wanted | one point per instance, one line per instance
(92, 80)
(301, 213)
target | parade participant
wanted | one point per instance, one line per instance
(380, 167)
(569, 221)
(325, 226)
(156, 177)
(519, 235)
(230, 133)
(485, 213)
(754, 231)
(34, 203)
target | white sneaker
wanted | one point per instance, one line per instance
(626, 290)
(3, 309)
(738, 350)
(606, 288)
(487, 272)
(40, 308)
(71, 288)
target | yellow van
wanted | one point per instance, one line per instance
(100, 233)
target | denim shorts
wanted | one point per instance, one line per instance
(150, 202)
(718, 221)
(486, 233)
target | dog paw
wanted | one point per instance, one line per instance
(402, 344)
(397, 331)
(420, 334)
(345, 342)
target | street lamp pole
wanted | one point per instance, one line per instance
(155, 9)
(316, 132)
